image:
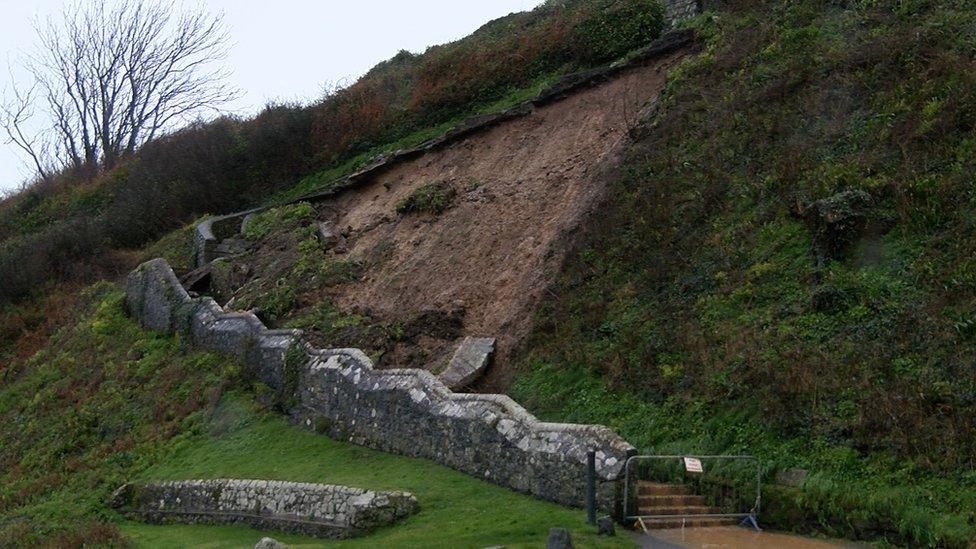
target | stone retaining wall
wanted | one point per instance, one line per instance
(320, 510)
(337, 392)
(677, 10)
(209, 232)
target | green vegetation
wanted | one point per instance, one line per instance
(106, 402)
(431, 198)
(288, 260)
(613, 31)
(66, 229)
(281, 218)
(98, 404)
(456, 510)
(698, 317)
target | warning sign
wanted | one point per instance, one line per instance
(693, 465)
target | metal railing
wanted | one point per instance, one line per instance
(751, 517)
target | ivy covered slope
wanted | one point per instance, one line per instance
(719, 307)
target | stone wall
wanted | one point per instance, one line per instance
(209, 232)
(320, 510)
(677, 10)
(338, 393)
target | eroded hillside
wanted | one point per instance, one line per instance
(461, 241)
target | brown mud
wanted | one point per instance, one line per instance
(521, 191)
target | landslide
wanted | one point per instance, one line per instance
(462, 241)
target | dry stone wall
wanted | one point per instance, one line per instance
(319, 510)
(337, 392)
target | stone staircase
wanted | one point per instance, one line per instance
(664, 500)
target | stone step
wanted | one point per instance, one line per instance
(645, 488)
(660, 524)
(651, 501)
(678, 510)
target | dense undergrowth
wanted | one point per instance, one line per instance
(102, 400)
(702, 315)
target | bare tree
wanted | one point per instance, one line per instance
(111, 75)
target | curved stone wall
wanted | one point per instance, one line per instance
(338, 392)
(320, 510)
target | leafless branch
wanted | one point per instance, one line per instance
(111, 75)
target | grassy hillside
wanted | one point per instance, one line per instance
(455, 509)
(101, 401)
(716, 305)
(106, 403)
(715, 308)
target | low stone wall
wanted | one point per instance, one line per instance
(319, 510)
(337, 392)
(209, 232)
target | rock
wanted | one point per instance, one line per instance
(269, 543)
(836, 222)
(605, 526)
(198, 280)
(247, 221)
(232, 246)
(559, 538)
(122, 496)
(328, 235)
(468, 363)
(791, 477)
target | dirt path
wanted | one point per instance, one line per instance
(523, 188)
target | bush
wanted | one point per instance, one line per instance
(431, 198)
(620, 27)
(70, 250)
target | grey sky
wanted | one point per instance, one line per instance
(287, 49)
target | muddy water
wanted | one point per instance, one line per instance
(731, 538)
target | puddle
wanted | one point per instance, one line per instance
(732, 537)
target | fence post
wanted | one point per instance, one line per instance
(591, 487)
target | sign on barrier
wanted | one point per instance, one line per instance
(690, 465)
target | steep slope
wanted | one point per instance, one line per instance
(787, 268)
(522, 188)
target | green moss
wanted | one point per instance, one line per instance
(176, 248)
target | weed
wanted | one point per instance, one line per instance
(432, 198)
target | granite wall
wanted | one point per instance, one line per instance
(337, 392)
(320, 510)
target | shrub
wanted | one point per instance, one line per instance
(431, 198)
(283, 218)
(618, 28)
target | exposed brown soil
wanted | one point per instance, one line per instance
(522, 189)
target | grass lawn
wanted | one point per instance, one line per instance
(456, 510)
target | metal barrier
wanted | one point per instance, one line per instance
(748, 518)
